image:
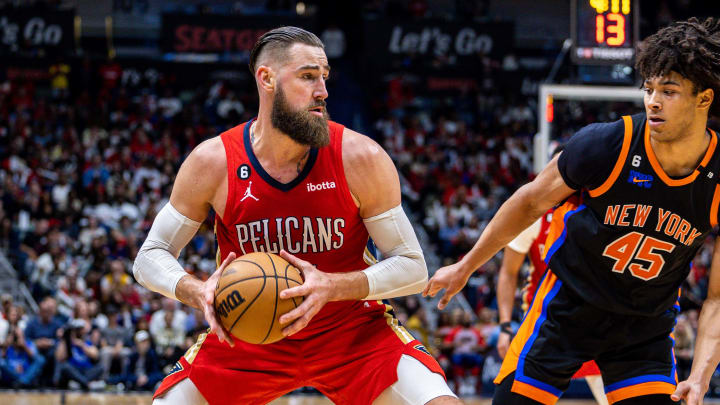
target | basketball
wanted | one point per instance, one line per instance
(247, 296)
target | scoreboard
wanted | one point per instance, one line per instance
(604, 31)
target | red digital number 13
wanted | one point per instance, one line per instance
(617, 29)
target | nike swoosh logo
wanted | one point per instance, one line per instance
(636, 180)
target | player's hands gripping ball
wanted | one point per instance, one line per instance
(317, 289)
(247, 296)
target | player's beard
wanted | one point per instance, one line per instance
(301, 126)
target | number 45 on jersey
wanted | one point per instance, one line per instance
(636, 246)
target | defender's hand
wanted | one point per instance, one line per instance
(503, 344)
(452, 278)
(691, 392)
(317, 290)
(208, 303)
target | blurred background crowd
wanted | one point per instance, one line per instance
(90, 145)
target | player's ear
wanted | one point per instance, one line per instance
(265, 77)
(705, 98)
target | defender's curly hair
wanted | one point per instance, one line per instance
(690, 48)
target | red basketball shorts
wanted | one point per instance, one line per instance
(351, 363)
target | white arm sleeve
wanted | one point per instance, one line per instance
(404, 271)
(156, 266)
(522, 242)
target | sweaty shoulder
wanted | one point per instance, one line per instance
(370, 173)
(199, 179)
(590, 155)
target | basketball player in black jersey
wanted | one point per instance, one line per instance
(636, 199)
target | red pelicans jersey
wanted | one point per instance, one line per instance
(536, 255)
(350, 349)
(313, 217)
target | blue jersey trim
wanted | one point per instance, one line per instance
(556, 245)
(651, 377)
(639, 380)
(519, 374)
(673, 373)
(534, 296)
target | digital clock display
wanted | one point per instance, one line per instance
(604, 31)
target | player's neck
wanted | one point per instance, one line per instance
(279, 155)
(682, 155)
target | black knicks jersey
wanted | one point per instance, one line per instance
(624, 242)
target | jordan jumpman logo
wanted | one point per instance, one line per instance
(248, 193)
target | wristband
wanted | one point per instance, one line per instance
(506, 327)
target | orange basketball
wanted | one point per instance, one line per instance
(247, 296)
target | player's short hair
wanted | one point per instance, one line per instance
(690, 48)
(281, 39)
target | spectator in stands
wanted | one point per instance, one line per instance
(416, 322)
(158, 321)
(50, 266)
(115, 281)
(44, 331)
(446, 323)
(143, 370)
(81, 314)
(127, 317)
(77, 357)
(59, 79)
(195, 323)
(449, 236)
(169, 336)
(20, 363)
(467, 343)
(143, 324)
(487, 326)
(169, 105)
(230, 108)
(684, 346)
(4, 326)
(115, 342)
(98, 319)
(71, 288)
(6, 302)
(96, 174)
(16, 318)
(90, 232)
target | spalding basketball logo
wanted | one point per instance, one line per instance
(229, 303)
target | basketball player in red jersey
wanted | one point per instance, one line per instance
(293, 182)
(531, 243)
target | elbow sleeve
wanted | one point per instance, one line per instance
(156, 266)
(403, 271)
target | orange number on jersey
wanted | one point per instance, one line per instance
(623, 249)
(646, 254)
